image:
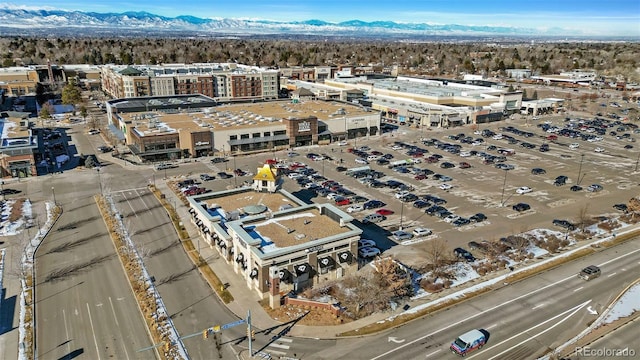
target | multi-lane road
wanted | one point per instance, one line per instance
(524, 319)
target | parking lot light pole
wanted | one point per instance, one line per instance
(637, 161)
(580, 169)
(4, 198)
(401, 213)
(53, 191)
(504, 183)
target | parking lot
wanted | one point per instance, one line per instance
(498, 160)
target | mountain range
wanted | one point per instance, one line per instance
(61, 21)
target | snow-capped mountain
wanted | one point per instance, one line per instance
(66, 21)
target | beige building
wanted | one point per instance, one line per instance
(161, 128)
(273, 240)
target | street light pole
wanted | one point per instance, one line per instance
(100, 180)
(3, 196)
(401, 213)
(637, 161)
(503, 186)
(580, 169)
(235, 175)
(53, 191)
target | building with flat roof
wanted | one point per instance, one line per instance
(158, 128)
(275, 241)
(422, 102)
(18, 146)
(220, 81)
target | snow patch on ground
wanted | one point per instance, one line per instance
(625, 306)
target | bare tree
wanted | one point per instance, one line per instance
(438, 256)
(583, 217)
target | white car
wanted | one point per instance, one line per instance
(396, 147)
(451, 218)
(465, 154)
(422, 231)
(523, 190)
(599, 150)
(366, 243)
(401, 235)
(362, 161)
(446, 186)
(574, 146)
(368, 252)
(355, 208)
(401, 194)
(343, 143)
(497, 137)
(333, 196)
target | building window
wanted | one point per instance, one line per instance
(244, 136)
(255, 135)
(267, 133)
(233, 137)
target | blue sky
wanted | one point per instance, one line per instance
(601, 17)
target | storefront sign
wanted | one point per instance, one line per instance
(200, 143)
(304, 126)
(314, 248)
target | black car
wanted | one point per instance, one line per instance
(447, 165)
(393, 184)
(224, 175)
(621, 207)
(216, 160)
(206, 177)
(564, 224)
(409, 198)
(464, 254)
(479, 217)
(560, 180)
(382, 161)
(9, 191)
(461, 221)
(420, 204)
(341, 169)
(575, 188)
(358, 199)
(105, 149)
(519, 207)
(373, 204)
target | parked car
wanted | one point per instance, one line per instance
(385, 212)
(93, 132)
(206, 177)
(621, 207)
(216, 160)
(594, 188)
(479, 217)
(560, 180)
(373, 204)
(575, 188)
(523, 190)
(420, 204)
(463, 254)
(401, 235)
(538, 171)
(599, 150)
(373, 218)
(105, 149)
(224, 175)
(362, 161)
(574, 146)
(343, 201)
(420, 231)
(445, 186)
(341, 169)
(164, 166)
(464, 165)
(519, 207)
(367, 252)
(355, 208)
(564, 224)
(460, 221)
(366, 243)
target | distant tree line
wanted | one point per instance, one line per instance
(418, 58)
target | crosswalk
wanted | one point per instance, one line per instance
(279, 347)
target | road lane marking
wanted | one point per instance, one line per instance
(285, 340)
(538, 306)
(66, 330)
(279, 346)
(492, 326)
(578, 289)
(276, 352)
(571, 312)
(433, 353)
(610, 275)
(114, 312)
(93, 331)
(384, 355)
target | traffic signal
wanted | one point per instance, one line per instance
(205, 334)
(248, 332)
(253, 334)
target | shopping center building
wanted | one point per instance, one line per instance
(159, 128)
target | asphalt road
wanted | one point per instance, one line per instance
(523, 319)
(84, 303)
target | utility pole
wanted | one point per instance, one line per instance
(401, 213)
(235, 176)
(637, 161)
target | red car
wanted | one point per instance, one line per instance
(384, 212)
(464, 165)
(420, 177)
(343, 202)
